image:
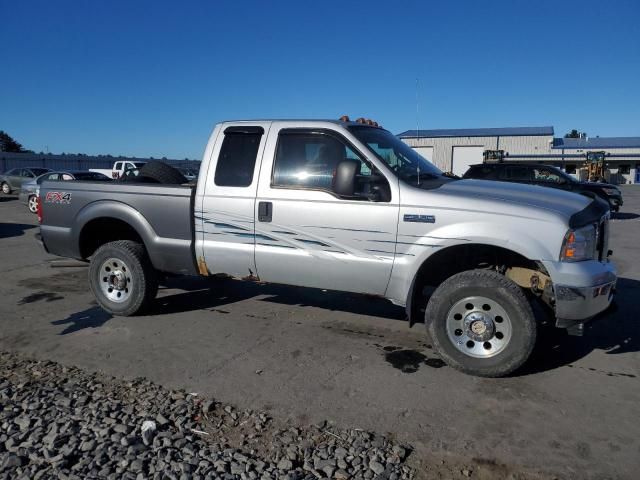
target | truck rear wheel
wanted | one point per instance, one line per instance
(122, 278)
(481, 323)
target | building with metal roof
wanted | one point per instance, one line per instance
(454, 150)
(478, 132)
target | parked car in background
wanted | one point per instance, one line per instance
(13, 179)
(119, 168)
(30, 190)
(546, 176)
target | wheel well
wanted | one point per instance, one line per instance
(103, 230)
(459, 258)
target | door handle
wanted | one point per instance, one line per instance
(265, 211)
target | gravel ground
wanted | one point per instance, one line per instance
(63, 422)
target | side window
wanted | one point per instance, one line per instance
(117, 166)
(308, 160)
(66, 176)
(51, 176)
(515, 173)
(237, 159)
(545, 175)
(482, 172)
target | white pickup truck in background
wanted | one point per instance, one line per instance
(118, 168)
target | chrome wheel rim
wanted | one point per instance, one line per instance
(33, 204)
(479, 327)
(5, 188)
(115, 280)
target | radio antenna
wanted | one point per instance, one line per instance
(417, 110)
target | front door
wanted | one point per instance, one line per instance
(306, 234)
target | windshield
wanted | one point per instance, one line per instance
(403, 160)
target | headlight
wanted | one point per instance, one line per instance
(611, 191)
(579, 244)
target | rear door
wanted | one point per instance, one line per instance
(224, 218)
(306, 234)
(24, 175)
(13, 178)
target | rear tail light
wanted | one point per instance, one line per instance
(39, 209)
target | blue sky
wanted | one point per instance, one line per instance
(153, 77)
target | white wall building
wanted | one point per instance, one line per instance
(453, 150)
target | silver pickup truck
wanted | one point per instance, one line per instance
(347, 206)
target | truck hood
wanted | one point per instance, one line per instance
(536, 197)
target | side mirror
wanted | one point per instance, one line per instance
(344, 179)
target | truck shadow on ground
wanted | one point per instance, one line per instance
(616, 332)
(93, 317)
(210, 294)
(8, 230)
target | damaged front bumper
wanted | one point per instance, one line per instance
(581, 290)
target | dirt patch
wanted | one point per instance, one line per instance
(67, 281)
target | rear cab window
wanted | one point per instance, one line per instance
(237, 158)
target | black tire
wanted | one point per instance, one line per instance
(507, 296)
(162, 173)
(140, 276)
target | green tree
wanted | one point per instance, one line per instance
(8, 144)
(575, 134)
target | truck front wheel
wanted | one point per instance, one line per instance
(481, 323)
(122, 278)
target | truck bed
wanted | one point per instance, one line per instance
(73, 213)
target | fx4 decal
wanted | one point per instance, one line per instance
(58, 197)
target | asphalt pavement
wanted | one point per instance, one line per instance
(309, 355)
